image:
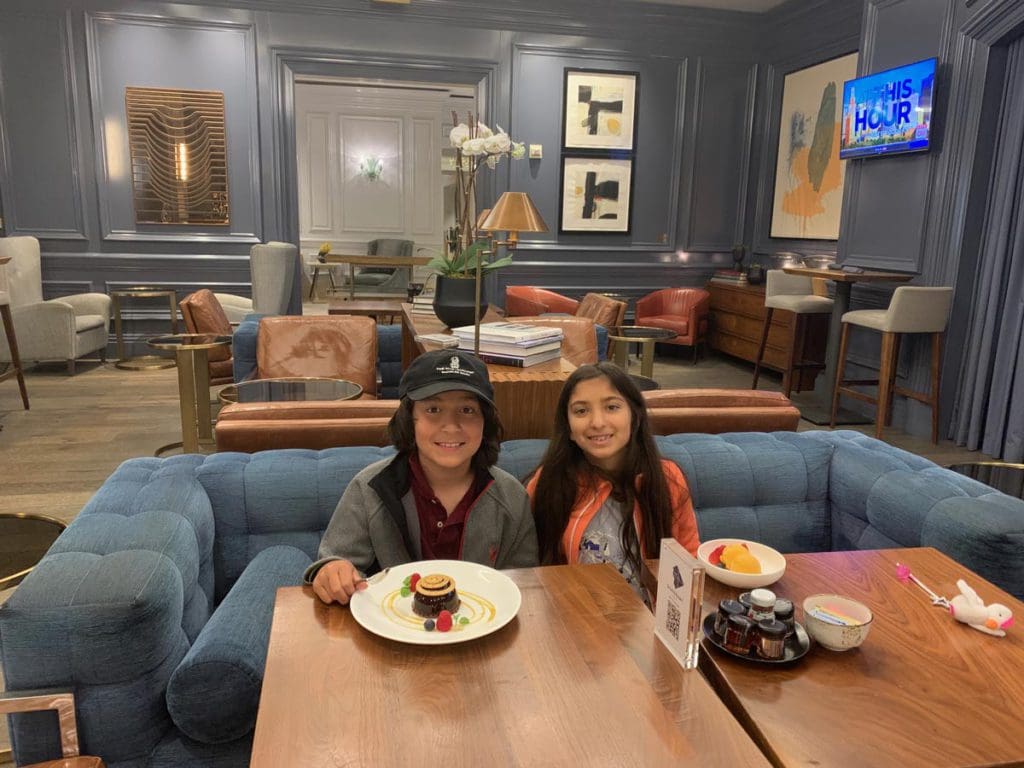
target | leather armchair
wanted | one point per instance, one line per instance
(579, 336)
(683, 310)
(713, 411)
(251, 427)
(203, 313)
(333, 346)
(65, 328)
(527, 301)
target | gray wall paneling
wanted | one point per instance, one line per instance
(130, 50)
(37, 126)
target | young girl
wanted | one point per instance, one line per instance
(441, 497)
(602, 492)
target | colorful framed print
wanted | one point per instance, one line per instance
(600, 109)
(596, 195)
(808, 172)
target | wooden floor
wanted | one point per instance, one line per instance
(80, 428)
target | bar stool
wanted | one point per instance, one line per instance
(792, 293)
(12, 343)
(912, 310)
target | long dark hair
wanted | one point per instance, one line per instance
(402, 433)
(566, 474)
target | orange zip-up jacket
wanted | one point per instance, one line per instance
(684, 522)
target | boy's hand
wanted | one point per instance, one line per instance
(337, 581)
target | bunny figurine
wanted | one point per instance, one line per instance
(971, 610)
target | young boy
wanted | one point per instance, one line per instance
(441, 497)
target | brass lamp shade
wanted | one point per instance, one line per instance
(514, 212)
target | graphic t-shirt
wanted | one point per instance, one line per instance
(602, 543)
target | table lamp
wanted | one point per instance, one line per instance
(513, 213)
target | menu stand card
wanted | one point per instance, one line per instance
(680, 597)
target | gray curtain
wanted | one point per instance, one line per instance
(990, 402)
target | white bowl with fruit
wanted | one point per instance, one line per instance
(740, 563)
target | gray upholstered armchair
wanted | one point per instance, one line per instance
(65, 328)
(385, 279)
(273, 266)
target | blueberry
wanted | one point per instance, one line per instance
(429, 625)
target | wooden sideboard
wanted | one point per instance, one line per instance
(737, 319)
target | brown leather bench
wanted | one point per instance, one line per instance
(249, 427)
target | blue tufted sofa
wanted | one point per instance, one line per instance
(155, 604)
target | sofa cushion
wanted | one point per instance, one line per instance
(88, 322)
(264, 499)
(769, 487)
(215, 691)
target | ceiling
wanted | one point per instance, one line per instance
(750, 6)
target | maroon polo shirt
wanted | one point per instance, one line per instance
(441, 533)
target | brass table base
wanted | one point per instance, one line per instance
(145, 363)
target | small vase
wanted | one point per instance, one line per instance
(453, 301)
(755, 274)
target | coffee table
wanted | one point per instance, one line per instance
(623, 335)
(24, 539)
(375, 308)
(577, 678)
(923, 690)
(292, 389)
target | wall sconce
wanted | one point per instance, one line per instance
(372, 167)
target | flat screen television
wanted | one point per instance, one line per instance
(888, 112)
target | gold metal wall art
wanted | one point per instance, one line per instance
(179, 156)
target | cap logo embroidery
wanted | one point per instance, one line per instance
(454, 367)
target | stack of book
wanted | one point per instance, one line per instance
(732, 276)
(515, 344)
(423, 304)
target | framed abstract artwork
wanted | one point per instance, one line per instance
(596, 195)
(808, 172)
(600, 110)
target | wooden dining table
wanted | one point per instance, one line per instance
(576, 678)
(818, 410)
(922, 690)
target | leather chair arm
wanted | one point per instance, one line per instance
(669, 421)
(648, 305)
(715, 398)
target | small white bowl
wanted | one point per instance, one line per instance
(837, 637)
(773, 564)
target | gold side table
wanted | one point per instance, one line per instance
(623, 335)
(142, 362)
(190, 352)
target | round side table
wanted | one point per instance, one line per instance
(623, 335)
(142, 362)
(190, 352)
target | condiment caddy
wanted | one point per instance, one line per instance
(758, 626)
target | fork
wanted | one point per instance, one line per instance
(379, 576)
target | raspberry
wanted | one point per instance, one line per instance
(444, 621)
(412, 581)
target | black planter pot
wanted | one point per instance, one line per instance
(453, 301)
(755, 274)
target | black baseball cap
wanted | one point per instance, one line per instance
(444, 370)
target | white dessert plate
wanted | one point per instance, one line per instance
(489, 601)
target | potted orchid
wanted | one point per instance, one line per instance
(475, 146)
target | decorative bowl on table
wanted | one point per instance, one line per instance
(771, 564)
(835, 622)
